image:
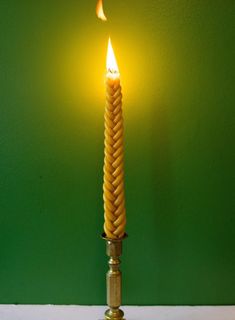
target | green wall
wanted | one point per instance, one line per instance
(177, 64)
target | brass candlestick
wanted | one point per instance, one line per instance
(114, 278)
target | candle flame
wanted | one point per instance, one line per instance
(99, 11)
(111, 63)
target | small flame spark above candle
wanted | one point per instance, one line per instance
(111, 63)
(99, 11)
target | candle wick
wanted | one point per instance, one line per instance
(113, 72)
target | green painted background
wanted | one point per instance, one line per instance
(177, 64)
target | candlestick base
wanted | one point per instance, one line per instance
(114, 278)
(114, 315)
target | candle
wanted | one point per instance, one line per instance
(113, 186)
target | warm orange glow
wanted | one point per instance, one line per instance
(100, 11)
(111, 63)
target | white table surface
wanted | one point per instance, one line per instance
(50, 312)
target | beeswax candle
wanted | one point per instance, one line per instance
(113, 186)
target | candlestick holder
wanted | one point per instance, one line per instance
(114, 278)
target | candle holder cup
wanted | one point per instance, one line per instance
(114, 278)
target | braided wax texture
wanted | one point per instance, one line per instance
(113, 186)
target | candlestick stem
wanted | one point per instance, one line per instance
(114, 279)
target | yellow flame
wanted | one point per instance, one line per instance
(100, 11)
(111, 63)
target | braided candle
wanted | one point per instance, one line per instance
(113, 187)
(114, 200)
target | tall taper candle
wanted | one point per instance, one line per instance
(113, 186)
